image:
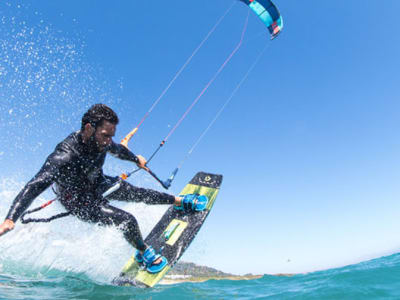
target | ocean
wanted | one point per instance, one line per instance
(374, 279)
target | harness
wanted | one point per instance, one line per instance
(43, 220)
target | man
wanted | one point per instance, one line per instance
(75, 167)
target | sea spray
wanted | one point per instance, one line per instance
(67, 244)
(46, 83)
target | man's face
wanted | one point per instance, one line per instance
(103, 135)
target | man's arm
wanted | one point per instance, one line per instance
(121, 152)
(42, 180)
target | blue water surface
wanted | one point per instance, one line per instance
(375, 279)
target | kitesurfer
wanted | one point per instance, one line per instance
(75, 167)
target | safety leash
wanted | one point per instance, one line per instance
(42, 220)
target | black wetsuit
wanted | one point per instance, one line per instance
(77, 172)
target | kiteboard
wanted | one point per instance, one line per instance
(173, 234)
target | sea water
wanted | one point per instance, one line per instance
(375, 279)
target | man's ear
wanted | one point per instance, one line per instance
(89, 129)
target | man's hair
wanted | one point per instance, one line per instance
(97, 114)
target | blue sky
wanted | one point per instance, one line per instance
(308, 146)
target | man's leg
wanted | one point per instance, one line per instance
(128, 192)
(106, 214)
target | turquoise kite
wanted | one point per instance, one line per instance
(268, 13)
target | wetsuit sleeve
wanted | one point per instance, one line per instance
(122, 152)
(39, 183)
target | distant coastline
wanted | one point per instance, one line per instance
(168, 279)
(190, 272)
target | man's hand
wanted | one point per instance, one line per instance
(142, 162)
(6, 226)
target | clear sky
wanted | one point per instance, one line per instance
(309, 146)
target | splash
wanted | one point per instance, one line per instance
(45, 79)
(67, 245)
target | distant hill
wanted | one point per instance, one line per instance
(190, 272)
(188, 268)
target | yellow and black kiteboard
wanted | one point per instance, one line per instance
(173, 233)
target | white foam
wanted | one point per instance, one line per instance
(68, 244)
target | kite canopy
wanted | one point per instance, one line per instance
(268, 13)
